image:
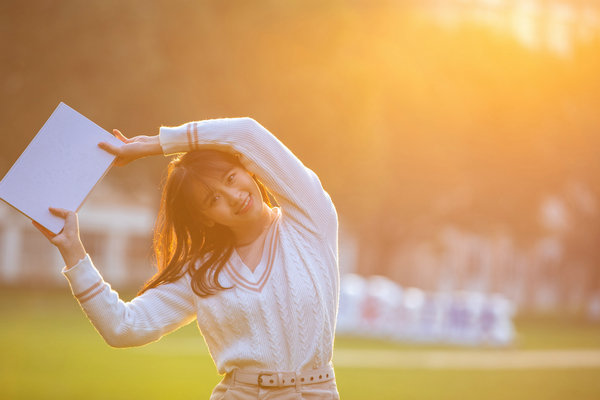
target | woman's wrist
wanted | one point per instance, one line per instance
(152, 144)
(73, 255)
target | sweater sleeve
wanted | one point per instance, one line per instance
(296, 188)
(126, 324)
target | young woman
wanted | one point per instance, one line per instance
(261, 281)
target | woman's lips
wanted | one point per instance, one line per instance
(246, 205)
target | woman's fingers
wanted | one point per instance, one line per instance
(132, 149)
(60, 212)
(49, 235)
(121, 159)
(71, 227)
(67, 241)
(70, 219)
(112, 149)
(120, 136)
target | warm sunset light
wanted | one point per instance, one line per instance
(458, 140)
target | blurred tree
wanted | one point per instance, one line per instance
(410, 125)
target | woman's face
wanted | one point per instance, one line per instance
(234, 199)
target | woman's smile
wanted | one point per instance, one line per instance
(247, 203)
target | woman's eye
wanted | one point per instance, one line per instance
(214, 199)
(230, 178)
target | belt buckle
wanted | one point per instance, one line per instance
(271, 381)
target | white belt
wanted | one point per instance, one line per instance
(281, 379)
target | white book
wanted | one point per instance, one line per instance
(59, 168)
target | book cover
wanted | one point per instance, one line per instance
(59, 168)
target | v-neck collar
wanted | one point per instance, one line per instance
(242, 275)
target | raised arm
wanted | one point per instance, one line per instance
(145, 319)
(296, 188)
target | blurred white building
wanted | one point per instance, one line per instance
(118, 238)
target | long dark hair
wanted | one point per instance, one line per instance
(182, 236)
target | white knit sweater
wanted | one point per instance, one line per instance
(279, 318)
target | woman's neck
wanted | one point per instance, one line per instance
(248, 235)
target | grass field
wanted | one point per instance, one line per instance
(50, 351)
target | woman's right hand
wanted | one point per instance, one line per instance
(132, 149)
(67, 241)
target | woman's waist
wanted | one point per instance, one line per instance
(278, 378)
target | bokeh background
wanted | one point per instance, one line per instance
(458, 139)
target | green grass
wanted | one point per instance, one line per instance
(50, 351)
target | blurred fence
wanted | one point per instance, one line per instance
(474, 288)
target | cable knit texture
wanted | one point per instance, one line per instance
(281, 317)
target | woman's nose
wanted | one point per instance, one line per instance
(233, 196)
